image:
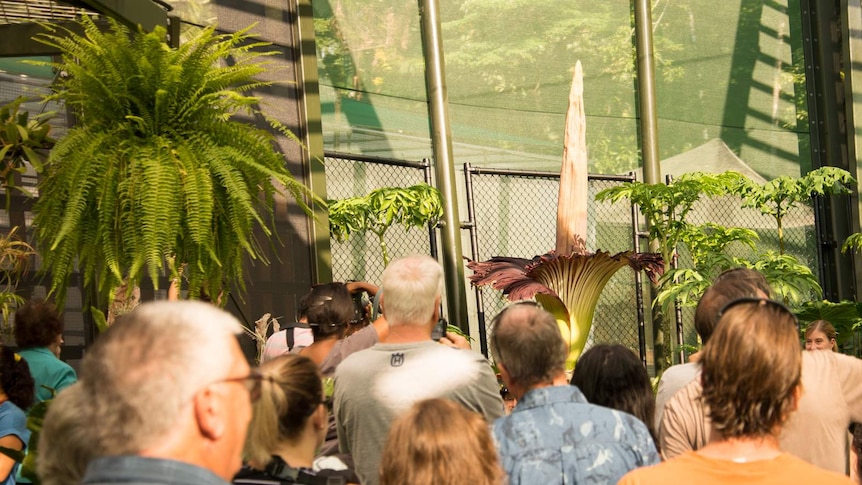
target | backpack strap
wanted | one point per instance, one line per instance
(288, 333)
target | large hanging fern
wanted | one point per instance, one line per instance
(157, 168)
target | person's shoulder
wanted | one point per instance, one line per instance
(355, 363)
(598, 413)
(684, 466)
(9, 412)
(801, 471)
(680, 372)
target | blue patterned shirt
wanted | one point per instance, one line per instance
(555, 436)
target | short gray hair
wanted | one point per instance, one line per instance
(411, 287)
(526, 340)
(145, 369)
(66, 442)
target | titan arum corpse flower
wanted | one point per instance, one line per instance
(568, 280)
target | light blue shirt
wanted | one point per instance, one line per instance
(555, 436)
(13, 422)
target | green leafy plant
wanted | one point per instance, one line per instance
(21, 140)
(159, 167)
(569, 280)
(666, 206)
(778, 196)
(15, 257)
(706, 244)
(415, 206)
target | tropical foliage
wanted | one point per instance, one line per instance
(779, 195)
(15, 257)
(21, 140)
(159, 166)
(666, 207)
(415, 206)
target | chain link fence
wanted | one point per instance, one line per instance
(360, 258)
(800, 241)
(515, 213)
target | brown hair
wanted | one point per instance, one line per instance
(751, 368)
(717, 296)
(526, 340)
(827, 329)
(291, 390)
(328, 309)
(37, 324)
(748, 275)
(439, 441)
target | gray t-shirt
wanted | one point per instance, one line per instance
(374, 386)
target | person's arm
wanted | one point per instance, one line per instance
(365, 286)
(684, 426)
(67, 378)
(456, 341)
(6, 463)
(849, 372)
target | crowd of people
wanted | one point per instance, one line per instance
(166, 396)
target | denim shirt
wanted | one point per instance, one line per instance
(555, 436)
(137, 470)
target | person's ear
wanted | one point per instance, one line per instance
(504, 374)
(797, 395)
(320, 418)
(207, 409)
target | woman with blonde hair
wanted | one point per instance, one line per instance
(439, 441)
(288, 426)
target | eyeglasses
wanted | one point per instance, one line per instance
(760, 302)
(252, 383)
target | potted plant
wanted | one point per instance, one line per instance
(159, 175)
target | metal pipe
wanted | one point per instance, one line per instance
(432, 229)
(474, 250)
(441, 144)
(639, 296)
(646, 91)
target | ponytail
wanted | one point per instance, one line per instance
(15, 378)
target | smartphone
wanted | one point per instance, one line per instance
(439, 329)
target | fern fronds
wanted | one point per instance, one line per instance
(160, 165)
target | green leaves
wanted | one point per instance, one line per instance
(781, 194)
(20, 138)
(845, 316)
(415, 206)
(158, 166)
(666, 206)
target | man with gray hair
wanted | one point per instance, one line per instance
(169, 397)
(374, 386)
(554, 435)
